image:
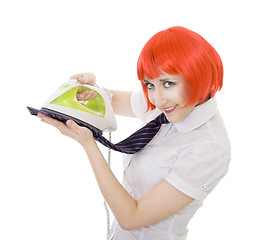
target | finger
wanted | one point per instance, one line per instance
(65, 130)
(76, 76)
(89, 78)
(50, 120)
(91, 95)
(82, 96)
(82, 81)
(86, 95)
(73, 125)
(76, 128)
(44, 117)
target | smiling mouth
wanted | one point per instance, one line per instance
(170, 109)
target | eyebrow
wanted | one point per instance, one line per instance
(166, 79)
(146, 81)
(161, 80)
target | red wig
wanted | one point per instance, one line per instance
(180, 51)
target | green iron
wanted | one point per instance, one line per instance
(96, 113)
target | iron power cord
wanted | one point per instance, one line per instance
(105, 203)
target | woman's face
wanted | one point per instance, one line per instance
(169, 93)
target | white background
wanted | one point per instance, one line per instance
(47, 189)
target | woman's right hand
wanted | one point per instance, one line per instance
(86, 78)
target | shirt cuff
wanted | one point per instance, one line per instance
(186, 188)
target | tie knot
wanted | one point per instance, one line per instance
(161, 119)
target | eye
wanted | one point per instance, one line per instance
(168, 84)
(149, 85)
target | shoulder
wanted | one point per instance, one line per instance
(202, 157)
(199, 167)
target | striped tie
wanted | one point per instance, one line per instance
(130, 145)
(137, 140)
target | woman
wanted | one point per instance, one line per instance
(165, 182)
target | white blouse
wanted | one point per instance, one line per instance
(192, 155)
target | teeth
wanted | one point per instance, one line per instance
(168, 109)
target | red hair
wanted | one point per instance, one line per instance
(180, 51)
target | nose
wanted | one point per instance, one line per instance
(158, 98)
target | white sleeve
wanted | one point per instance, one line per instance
(198, 170)
(139, 107)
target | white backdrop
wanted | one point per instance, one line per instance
(47, 189)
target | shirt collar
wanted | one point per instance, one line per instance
(198, 116)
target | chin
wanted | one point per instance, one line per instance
(174, 118)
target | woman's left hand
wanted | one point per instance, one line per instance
(70, 129)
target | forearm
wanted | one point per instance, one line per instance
(120, 99)
(120, 201)
(121, 103)
(162, 201)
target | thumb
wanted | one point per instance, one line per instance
(73, 125)
(76, 128)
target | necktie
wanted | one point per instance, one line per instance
(130, 145)
(137, 140)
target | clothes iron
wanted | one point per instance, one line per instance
(96, 113)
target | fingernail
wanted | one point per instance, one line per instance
(69, 123)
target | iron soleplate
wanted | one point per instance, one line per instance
(63, 118)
